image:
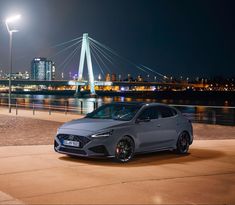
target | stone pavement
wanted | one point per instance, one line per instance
(38, 175)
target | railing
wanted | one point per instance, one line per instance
(50, 107)
(224, 115)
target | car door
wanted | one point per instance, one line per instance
(168, 124)
(148, 129)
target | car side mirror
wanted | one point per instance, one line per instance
(147, 119)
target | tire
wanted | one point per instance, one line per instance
(183, 142)
(124, 150)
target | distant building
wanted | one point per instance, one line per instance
(119, 77)
(129, 78)
(16, 76)
(107, 77)
(20, 76)
(1, 74)
(42, 69)
(113, 77)
(139, 78)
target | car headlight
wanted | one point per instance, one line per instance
(103, 134)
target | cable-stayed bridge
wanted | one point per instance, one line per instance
(105, 60)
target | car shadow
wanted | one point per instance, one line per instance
(157, 158)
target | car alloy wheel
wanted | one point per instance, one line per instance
(124, 149)
(183, 143)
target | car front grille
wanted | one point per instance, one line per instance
(83, 140)
(101, 149)
(72, 151)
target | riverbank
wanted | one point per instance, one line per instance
(28, 129)
(40, 129)
(198, 97)
(29, 172)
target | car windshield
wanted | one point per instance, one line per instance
(122, 112)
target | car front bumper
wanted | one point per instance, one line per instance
(89, 147)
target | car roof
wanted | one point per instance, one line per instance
(138, 103)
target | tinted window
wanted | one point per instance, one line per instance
(174, 111)
(151, 113)
(123, 112)
(166, 111)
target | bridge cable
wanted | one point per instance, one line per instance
(105, 66)
(130, 62)
(64, 43)
(47, 49)
(72, 56)
(117, 55)
(64, 49)
(99, 50)
(69, 57)
(106, 56)
(93, 54)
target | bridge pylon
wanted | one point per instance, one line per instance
(86, 53)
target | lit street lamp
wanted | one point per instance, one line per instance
(8, 21)
(99, 77)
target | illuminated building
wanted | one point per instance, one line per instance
(119, 77)
(15, 76)
(19, 76)
(129, 78)
(107, 77)
(139, 78)
(113, 77)
(42, 69)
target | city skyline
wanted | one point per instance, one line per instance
(168, 42)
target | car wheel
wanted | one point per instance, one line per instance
(124, 150)
(183, 143)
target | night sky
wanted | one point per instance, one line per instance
(188, 38)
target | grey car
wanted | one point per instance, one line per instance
(121, 130)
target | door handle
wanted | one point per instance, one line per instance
(158, 125)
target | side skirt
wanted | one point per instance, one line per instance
(156, 150)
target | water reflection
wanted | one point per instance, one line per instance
(209, 115)
(223, 115)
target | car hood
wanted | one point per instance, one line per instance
(92, 125)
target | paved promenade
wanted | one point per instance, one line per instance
(33, 173)
(38, 175)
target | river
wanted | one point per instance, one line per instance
(194, 110)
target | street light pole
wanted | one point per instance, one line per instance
(8, 21)
(10, 73)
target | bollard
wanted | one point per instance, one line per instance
(213, 117)
(33, 109)
(66, 107)
(16, 108)
(50, 109)
(81, 107)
